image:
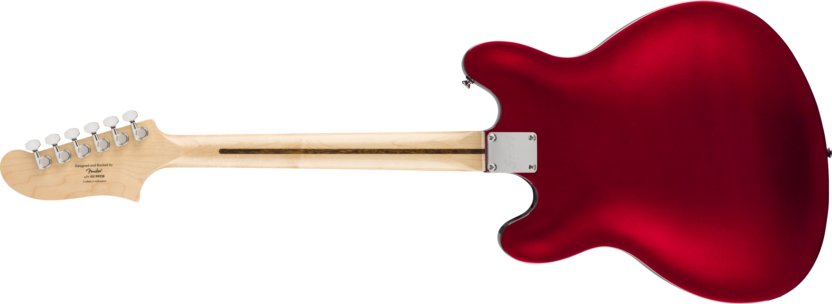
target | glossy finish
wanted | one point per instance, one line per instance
(689, 139)
(121, 139)
(32, 145)
(139, 133)
(81, 151)
(43, 162)
(62, 155)
(101, 145)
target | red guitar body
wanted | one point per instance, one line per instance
(689, 139)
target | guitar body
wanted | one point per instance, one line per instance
(689, 139)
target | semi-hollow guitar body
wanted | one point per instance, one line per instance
(689, 139)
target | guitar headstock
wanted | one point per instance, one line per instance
(112, 161)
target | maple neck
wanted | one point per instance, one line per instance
(439, 151)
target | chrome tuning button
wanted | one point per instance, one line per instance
(42, 161)
(120, 138)
(80, 150)
(101, 145)
(139, 133)
(62, 155)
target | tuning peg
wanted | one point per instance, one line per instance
(120, 138)
(101, 145)
(468, 82)
(62, 155)
(80, 150)
(139, 133)
(42, 161)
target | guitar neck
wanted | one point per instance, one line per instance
(440, 151)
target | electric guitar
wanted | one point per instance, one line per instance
(689, 139)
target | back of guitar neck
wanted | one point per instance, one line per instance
(441, 151)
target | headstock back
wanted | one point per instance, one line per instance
(119, 171)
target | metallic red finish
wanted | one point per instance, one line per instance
(689, 139)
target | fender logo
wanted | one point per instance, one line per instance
(94, 171)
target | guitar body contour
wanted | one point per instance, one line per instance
(689, 139)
